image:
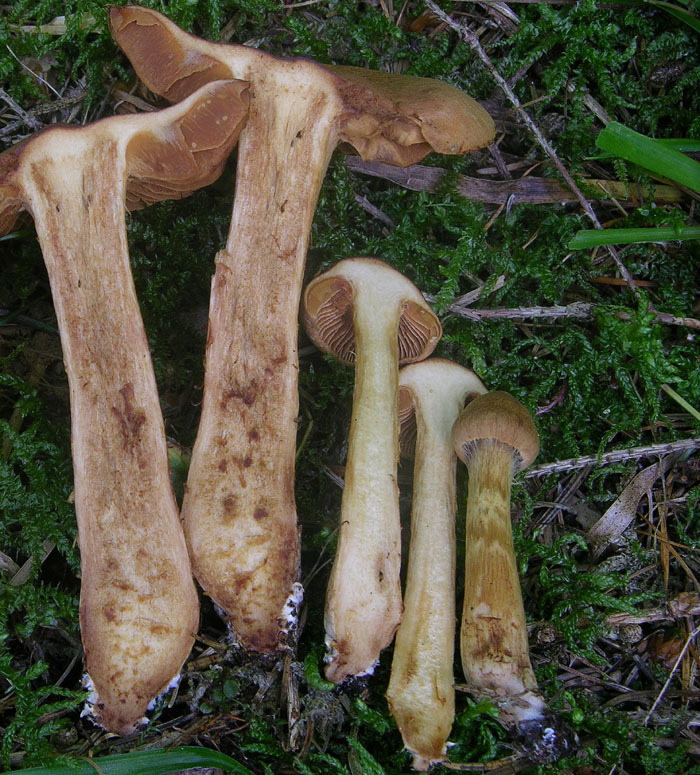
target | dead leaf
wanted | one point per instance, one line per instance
(623, 511)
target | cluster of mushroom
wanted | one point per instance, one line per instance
(139, 607)
(370, 316)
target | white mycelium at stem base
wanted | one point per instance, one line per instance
(365, 312)
(496, 438)
(421, 689)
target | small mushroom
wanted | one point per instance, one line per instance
(368, 315)
(239, 512)
(139, 609)
(495, 437)
(432, 393)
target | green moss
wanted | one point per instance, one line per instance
(596, 381)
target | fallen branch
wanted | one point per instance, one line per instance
(617, 456)
(580, 310)
(30, 118)
(531, 189)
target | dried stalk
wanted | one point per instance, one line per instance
(617, 456)
(580, 310)
(525, 190)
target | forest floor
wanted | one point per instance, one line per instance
(599, 343)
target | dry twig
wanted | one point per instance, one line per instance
(528, 189)
(617, 456)
(579, 310)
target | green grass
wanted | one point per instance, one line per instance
(600, 383)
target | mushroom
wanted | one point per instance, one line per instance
(421, 697)
(139, 609)
(368, 315)
(239, 512)
(495, 437)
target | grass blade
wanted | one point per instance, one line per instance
(593, 238)
(687, 144)
(143, 763)
(681, 401)
(685, 16)
(650, 154)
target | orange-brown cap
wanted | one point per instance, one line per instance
(392, 118)
(176, 157)
(163, 55)
(169, 153)
(11, 203)
(400, 119)
(498, 416)
(330, 319)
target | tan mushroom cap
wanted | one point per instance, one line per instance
(435, 380)
(328, 309)
(169, 153)
(498, 416)
(397, 119)
(400, 119)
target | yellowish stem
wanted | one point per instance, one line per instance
(363, 600)
(494, 641)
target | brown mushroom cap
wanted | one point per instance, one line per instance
(169, 153)
(157, 49)
(328, 310)
(11, 203)
(397, 119)
(498, 416)
(192, 152)
(400, 119)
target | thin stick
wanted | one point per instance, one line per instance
(473, 42)
(671, 674)
(29, 70)
(579, 309)
(31, 122)
(617, 456)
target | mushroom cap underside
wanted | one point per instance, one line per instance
(187, 149)
(397, 119)
(497, 416)
(330, 319)
(171, 62)
(11, 202)
(169, 153)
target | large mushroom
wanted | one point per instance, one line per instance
(495, 437)
(372, 317)
(432, 393)
(239, 512)
(139, 609)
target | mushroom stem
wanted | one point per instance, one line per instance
(495, 437)
(363, 600)
(238, 510)
(494, 642)
(370, 316)
(421, 693)
(138, 608)
(421, 688)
